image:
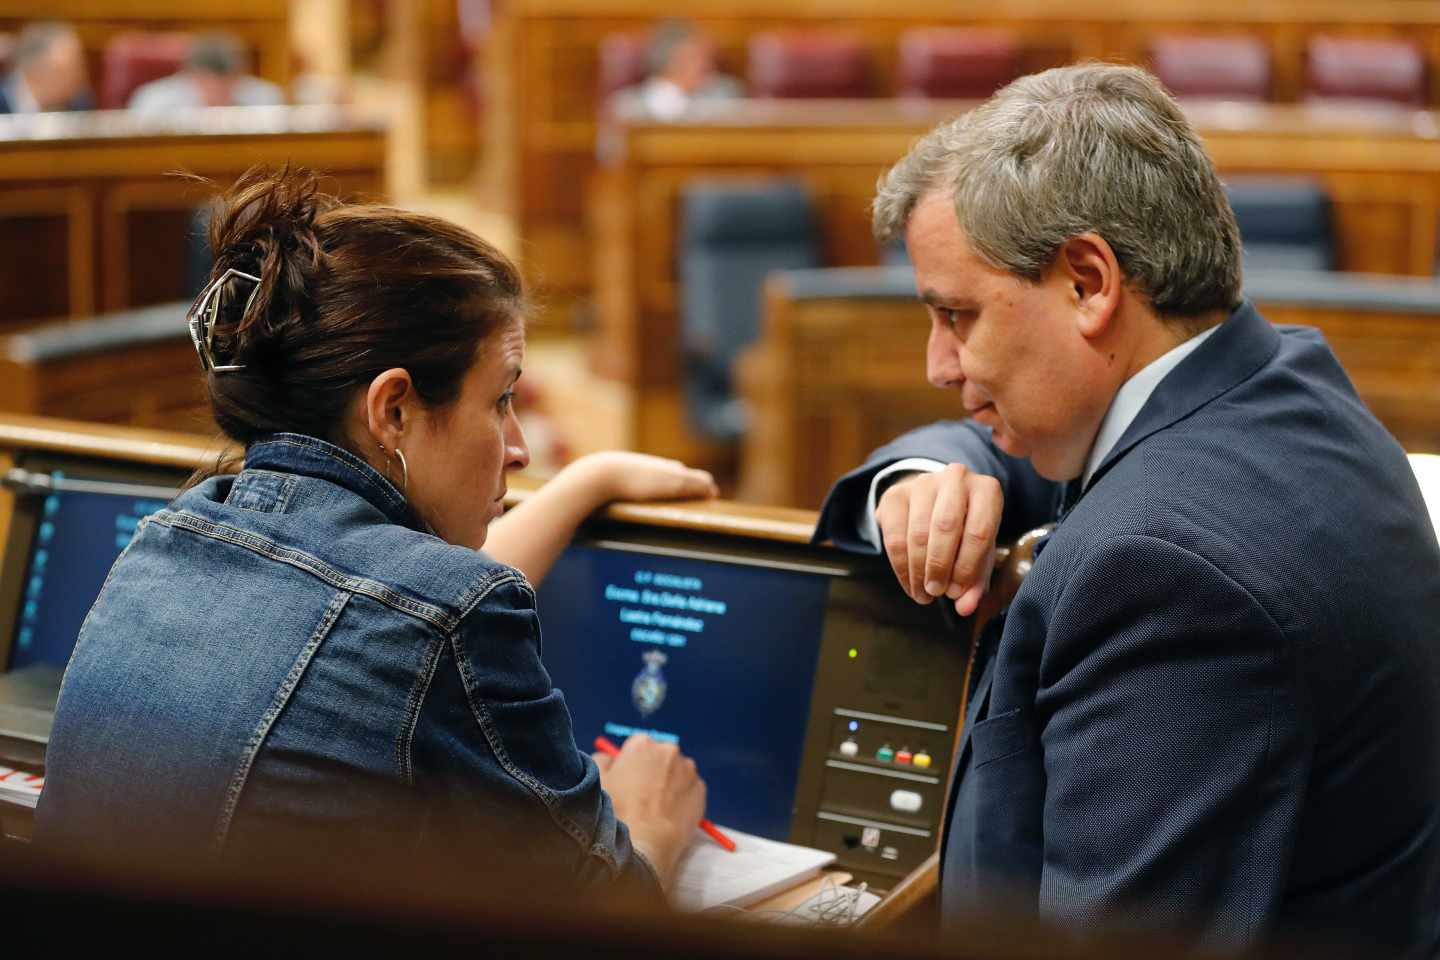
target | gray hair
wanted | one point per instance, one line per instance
(218, 53)
(1088, 148)
(668, 36)
(36, 39)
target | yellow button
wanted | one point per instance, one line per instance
(921, 759)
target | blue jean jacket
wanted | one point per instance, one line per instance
(292, 648)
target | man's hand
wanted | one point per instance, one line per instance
(939, 532)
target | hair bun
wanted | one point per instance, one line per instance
(265, 227)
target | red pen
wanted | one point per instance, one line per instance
(609, 749)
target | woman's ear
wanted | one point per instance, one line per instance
(388, 407)
(1091, 268)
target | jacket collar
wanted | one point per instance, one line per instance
(1243, 344)
(313, 457)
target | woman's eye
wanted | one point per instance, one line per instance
(507, 400)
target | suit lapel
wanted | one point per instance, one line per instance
(1244, 343)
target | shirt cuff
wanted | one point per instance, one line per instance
(868, 528)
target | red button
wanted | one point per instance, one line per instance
(904, 756)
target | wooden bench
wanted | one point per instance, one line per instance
(136, 367)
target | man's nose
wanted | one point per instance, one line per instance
(942, 360)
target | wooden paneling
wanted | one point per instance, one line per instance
(541, 69)
(832, 379)
(1383, 173)
(40, 228)
(92, 217)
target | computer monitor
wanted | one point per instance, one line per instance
(818, 702)
(718, 656)
(70, 522)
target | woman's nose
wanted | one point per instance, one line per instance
(517, 452)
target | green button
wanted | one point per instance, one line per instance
(885, 754)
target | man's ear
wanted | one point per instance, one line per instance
(389, 404)
(1089, 266)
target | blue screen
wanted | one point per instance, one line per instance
(77, 539)
(717, 656)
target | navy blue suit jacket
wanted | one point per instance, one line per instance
(1214, 704)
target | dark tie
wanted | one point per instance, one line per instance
(1071, 494)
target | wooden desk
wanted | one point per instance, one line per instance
(92, 221)
(902, 681)
(834, 378)
(542, 61)
(1382, 171)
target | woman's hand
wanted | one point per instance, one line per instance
(621, 475)
(656, 791)
(531, 535)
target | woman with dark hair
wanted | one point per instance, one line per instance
(316, 646)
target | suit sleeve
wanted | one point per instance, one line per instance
(1175, 753)
(1030, 499)
(494, 745)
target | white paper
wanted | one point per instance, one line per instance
(20, 787)
(708, 875)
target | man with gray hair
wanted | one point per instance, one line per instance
(214, 76)
(1214, 704)
(680, 63)
(47, 71)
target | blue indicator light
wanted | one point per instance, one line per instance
(854, 725)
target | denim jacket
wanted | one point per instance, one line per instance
(292, 647)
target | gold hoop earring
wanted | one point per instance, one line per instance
(404, 467)
(404, 470)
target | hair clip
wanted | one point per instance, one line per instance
(205, 311)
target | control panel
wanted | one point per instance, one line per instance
(882, 728)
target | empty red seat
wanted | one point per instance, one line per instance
(623, 62)
(132, 59)
(960, 62)
(1365, 69)
(809, 64)
(1228, 68)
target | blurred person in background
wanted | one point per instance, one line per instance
(48, 71)
(213, 77)
(681, 61)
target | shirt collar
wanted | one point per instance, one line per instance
(21, 99)
(1130, 400)
(313, 457)
(665, 99)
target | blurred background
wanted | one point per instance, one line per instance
(686, 188)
